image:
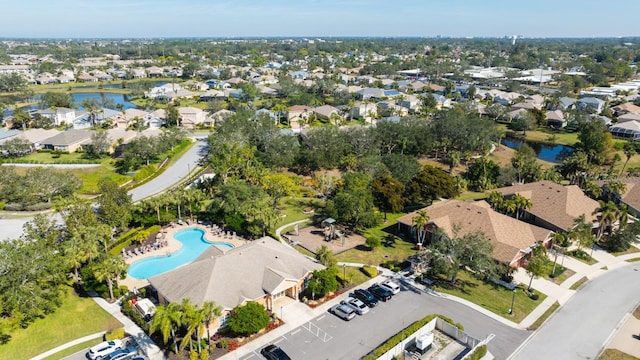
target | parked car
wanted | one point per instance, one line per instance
(273, 352)
(366, 297)
(381, 293)
(104, 349)
(356, 304)
(391, 286)
(343, 311)
(123, 354)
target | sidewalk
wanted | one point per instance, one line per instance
(75, 342)
(147, 345)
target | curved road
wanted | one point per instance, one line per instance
(174, 174)
(584, 324)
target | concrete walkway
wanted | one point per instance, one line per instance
(147, 346)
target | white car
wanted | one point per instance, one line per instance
(391, 286)
(343, 311)
(357, 305)
(103, 349)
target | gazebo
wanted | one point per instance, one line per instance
(329, 225)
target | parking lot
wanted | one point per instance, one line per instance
(82, 355)
(329, 337)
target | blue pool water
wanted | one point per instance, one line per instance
(193, 244)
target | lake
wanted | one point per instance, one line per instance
(547, 152)
(78, 98)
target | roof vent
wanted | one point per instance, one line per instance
(276, 256)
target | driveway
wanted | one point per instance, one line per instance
(584, 324)
(329, 337)
(174, 174)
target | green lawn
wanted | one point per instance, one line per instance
(74, 349)
(472, 195)
(492, 297)
(393, 247)
(561, 273)
(91, 176)
(545, 135)
(293, 209)
(615, 354)
(631, 250)
(76, 317)
(578, 283)
(354, 275)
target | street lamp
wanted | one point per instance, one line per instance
(281, 312)
(344, 271)
(513, 298)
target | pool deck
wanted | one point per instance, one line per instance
(173, 245)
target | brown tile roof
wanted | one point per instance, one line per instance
(631, 195)
(246, 272)
(507, 235)
(557, 204)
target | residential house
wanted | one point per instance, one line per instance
(631, 195)
(129, 117)
(511, 239)
(626, 108)
(554, 207)
(410, 102)
(365, 111)
(325, 112)
(85, 119)
(298, 115)
(33, 136)
(368, 93)
(156, 119)
(58, 116)
(119, 136)
(85, 77)
(591, 104)
(626, 130)
(154, 71)
(221, 116)
(628, 117)
(190, 117)
(555, 119)
(263, 271)
(68, 141)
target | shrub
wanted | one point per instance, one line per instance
(248, 319)
(204, 354)
(478, 353)
(392, 265)
(223, 344)
(370, 271)
(144, 172)
(38, 206)
(193, 355)
(114, 334)
(2, 205)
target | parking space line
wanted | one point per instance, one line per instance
(279, 340)
(295, 331)
(321, 317)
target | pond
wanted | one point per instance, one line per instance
(546, 152)
(78, 98)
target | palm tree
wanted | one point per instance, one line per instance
(608, 215)
(522, 203)
(166, 318)
(193, 318)
(629, 150)
(211, 311)
(325, 256)
(110, 270)
(496, 200)
(191, 196)
(420, 222)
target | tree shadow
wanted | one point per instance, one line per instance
(389, 241)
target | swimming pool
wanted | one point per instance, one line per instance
(193, 244)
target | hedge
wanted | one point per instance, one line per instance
(406, 332)
(125, 239)
(478, 353)
(370, 271)
(114, 334)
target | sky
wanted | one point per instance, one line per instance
(317, 18)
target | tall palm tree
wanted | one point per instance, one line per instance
(420, 222)
(211, 311)
(522, 203)
(629, 150)
(608, 215)
(110, 270)
(193, 318)
(191, 196)
(166, 319)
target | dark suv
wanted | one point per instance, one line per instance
(366, 297)
(380, 292)
(273, 352)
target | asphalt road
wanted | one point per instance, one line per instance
(175, 173)
(583, 325)
(339, 339)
